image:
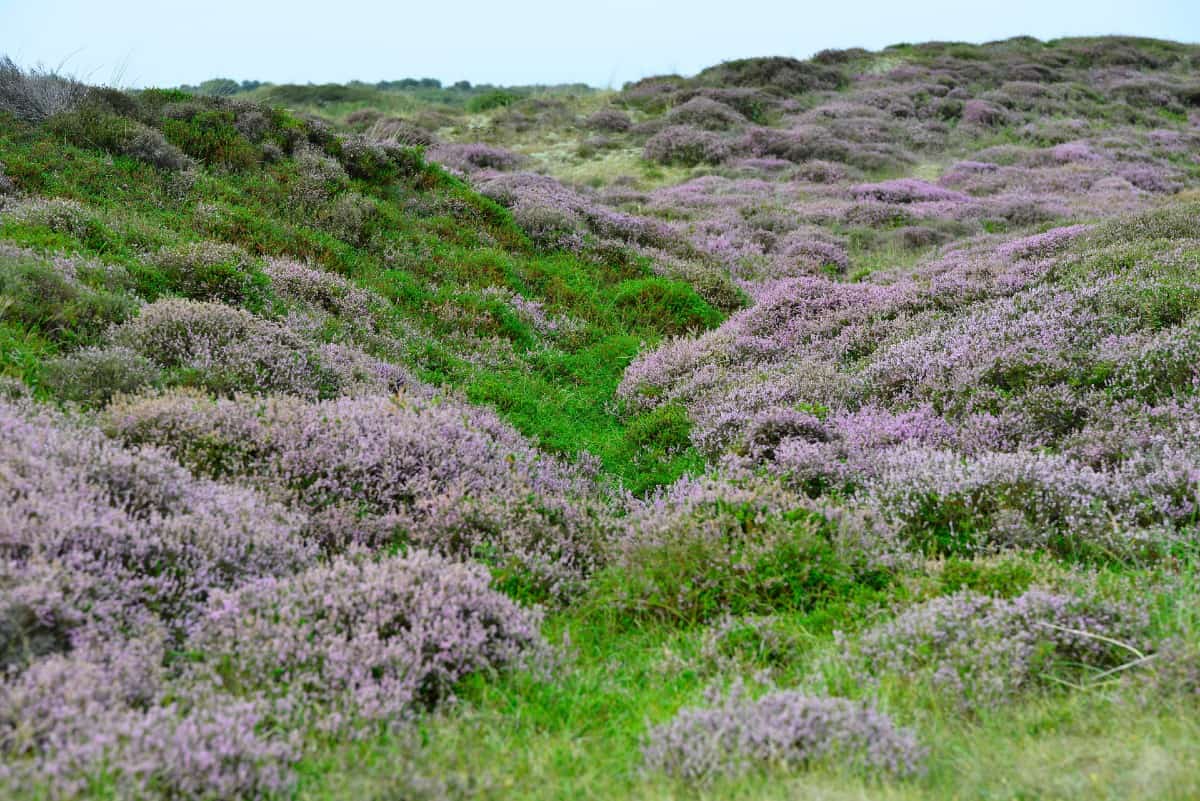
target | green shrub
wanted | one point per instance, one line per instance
(48, 297)
(210, 136)
(727, 557)
(497, 98)
(213, 271)
(95, 127)
(92, 376)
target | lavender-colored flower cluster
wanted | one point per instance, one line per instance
(782, 729)
(982, 651)
(377, 469)
(954, 399)
(116, 558)
(366, 640)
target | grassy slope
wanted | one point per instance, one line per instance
(431, 264)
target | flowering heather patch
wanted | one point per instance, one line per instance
(905, 190)
(706, 113)
(375, 469)
(226, 347)
(120, 534)
(610, 120)
(321, 289)
(682, 144)
(982, 651)
(782, 729)
(68, 722)
(366, 641)
(211, 271)
(91, 376)
(956, 351)
(469, 158)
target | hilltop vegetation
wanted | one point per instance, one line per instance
(823, 427)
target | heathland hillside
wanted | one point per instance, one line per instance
(817, 427)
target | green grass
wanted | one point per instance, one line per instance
(577, 733)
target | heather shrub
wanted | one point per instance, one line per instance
(784, 729)
(94, 126)
(37, 94)
(687, 146)
(319, 177)
(350, 217)
(978, 651)
(212, 271)
(945, 503)
(322, 291)
(366, 641)
(130, 534)
(468, 158)
(705, 547)
(149, 145)
(50, 296)
(784, 75)
(92, 376)
(224, 348)
(378, 470)
(376, 160)
(103, 717)
(906, 190)
(706, 113)
(753, 104)
(983, 113)
(608, 120)
(209, 135)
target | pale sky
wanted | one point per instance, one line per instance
(600, 42)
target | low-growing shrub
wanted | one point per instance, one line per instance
(785, 75)
(475, 156)
(225, 349)
(366, 640)
(978, 651)
(706, 548)
(118, 536)
(212, 271)
(378, 471)
(687, 146)
(706, 113)
(49, 296)
(92, 376)
(781, 730)
(104, 717)
(609, 120)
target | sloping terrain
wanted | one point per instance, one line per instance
(823, 428)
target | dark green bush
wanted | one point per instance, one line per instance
(211, 136)
(497, 98)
